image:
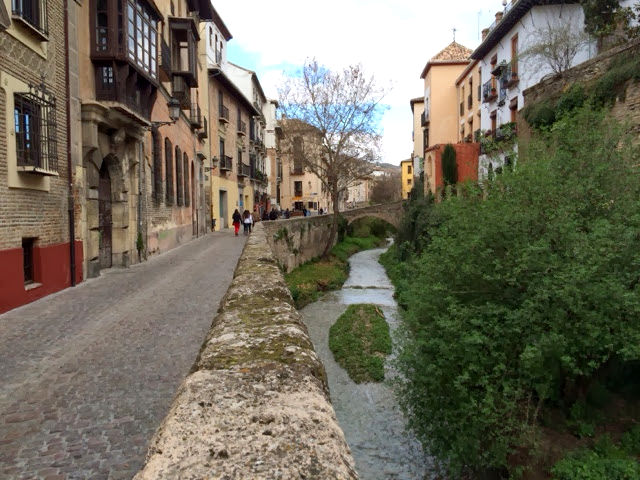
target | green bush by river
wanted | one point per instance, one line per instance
(521, 309)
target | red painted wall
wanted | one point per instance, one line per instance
(51, 271)
(467, 155)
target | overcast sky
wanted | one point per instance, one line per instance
(392, 39)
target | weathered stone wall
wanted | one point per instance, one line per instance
(298, 240)
(627, 109)
(256, 403)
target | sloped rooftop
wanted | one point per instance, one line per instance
(452, 53)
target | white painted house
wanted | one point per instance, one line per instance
(504, 73)
(217, 36)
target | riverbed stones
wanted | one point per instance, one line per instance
(256, 403)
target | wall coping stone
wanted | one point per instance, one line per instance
(256, 403)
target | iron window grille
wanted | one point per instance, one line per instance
(35, 127)
(33, 12)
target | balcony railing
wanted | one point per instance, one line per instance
(181, 91)
(226, 163)
(244, 170)
(223, 114)
(489, 91)
(242, 128)
(297, 193)
(33, 12)
(424, 118)
(195, 116)
(204, 132)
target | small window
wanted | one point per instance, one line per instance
(35, 129)
(408, 181)
(297, 187)
(27, 257)
(408, 168)
(33, 12)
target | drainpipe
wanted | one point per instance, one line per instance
(71, 203)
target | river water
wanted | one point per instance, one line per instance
(368, 413)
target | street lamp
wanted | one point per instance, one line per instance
(214, 160)
(174, 112)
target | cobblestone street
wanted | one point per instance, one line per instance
(88, 374)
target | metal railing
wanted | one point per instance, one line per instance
(195, 116)
(181, 91)
(424, 118)
(242, 127)
(226, 162)
(244, 170)
(488, 91)
(223, 113)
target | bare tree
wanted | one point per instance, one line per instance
(555, 46)
(341, 110)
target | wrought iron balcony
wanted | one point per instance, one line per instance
(244, 170)
(223, 114)
(242, 128)
(181, 91)
(489, 91)
(226, 163)
(424, 118)
(204, 132)
(195, 116)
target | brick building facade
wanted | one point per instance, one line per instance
(36, 255)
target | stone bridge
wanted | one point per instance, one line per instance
(389, 212)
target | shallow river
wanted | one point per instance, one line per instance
(368, 413)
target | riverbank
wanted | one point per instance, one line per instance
(310, 280)
(373, 424)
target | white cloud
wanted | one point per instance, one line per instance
(392, 39)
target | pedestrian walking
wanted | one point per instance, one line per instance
(287, 214)
(247, 220)
(237, 219)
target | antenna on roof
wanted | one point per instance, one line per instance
(454, 33)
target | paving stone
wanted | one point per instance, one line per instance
(90, 372)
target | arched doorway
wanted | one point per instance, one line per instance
(104, 217)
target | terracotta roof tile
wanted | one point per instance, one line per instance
(453, 52)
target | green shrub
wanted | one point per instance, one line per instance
(571, 100)
(605, 461)
(513, 300)
(539, 115)
(630, 441)
(360, 341)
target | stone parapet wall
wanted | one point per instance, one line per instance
(256, 403)
(298, 240)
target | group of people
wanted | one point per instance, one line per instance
(246, 218)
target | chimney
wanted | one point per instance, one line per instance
(485, 32)
(498, 16)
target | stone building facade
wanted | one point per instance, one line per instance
(231, 112)
(142, 128)
(39, 253)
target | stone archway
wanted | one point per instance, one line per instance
(107, 214)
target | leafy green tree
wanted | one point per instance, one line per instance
(522, 299)
(449, 165)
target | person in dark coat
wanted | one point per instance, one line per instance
(237, 219)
